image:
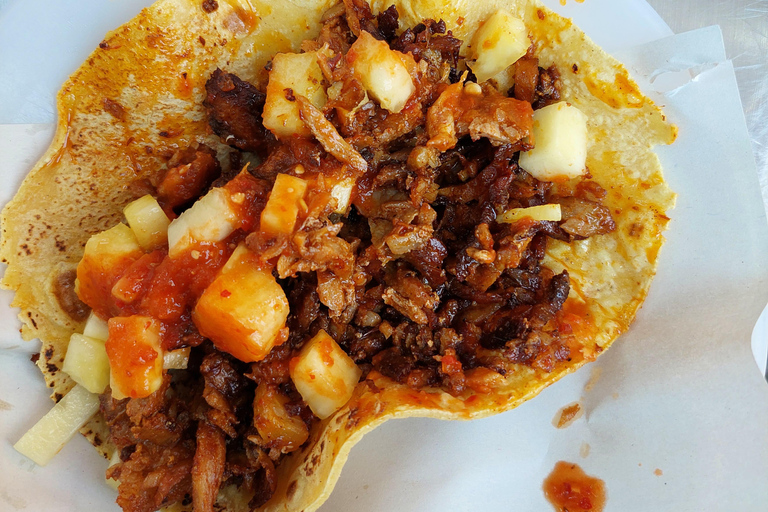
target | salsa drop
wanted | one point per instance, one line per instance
(569, 489)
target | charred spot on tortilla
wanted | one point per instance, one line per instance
(291, 489)
(422, 247)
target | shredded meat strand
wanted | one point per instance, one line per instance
(327, 135)
(208, 466)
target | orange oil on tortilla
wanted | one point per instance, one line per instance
(623, 92)
(569, 489)
(56, 158)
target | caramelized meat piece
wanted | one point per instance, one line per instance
(189, 174)
(360, 17)
(548, 87)
(526, 78)
(428, 40)
(428, 260)
(388, 22)
(393, 364)
(226, 390)
(410, 296)
(154, 476)
(583, 218)
(119, 424)
(234, 109)
(479, 113)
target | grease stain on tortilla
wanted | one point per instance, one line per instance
(658, 472)
(584, 450)
(240, 20)
(5, 406)
(623, 93)
(567, 415)
(562, 2)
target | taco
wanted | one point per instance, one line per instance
(338, 214)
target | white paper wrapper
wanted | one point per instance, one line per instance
(679, 392)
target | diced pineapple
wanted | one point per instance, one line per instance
(211, 219)
(497, 44)
(282, 208)
(49, 435)
(176, 359)
(87, 363)
(243, 312)
(96, 328)
(342, 192)
(541, 212)
(277, 428)
(239, 255)
(324, 375)
(300, 73)
(560, 135)
(148, 222)
(381, 71)
(135, 356)
(107, 255)
(114, 242)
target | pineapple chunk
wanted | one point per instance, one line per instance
(107, 255)
(49, 435)
(211, 219)
(113, 482)
(498, 44)
(277, 428)
(381, 71)
(239, 255)
(541, 212)
(560, 134)
(301, 73)
(282, 208)
(148, 222)
(135, 356)
(87, 363)
(176, 359)
(342, 192)
(96, 328)
(243, 312)
(324, 375)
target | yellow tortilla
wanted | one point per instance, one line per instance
(140, 94)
